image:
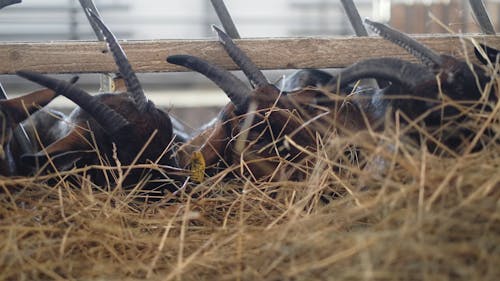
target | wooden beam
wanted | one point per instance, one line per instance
(267, 53)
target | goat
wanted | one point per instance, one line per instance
(141, 131)
(261, 129)
(417, 89)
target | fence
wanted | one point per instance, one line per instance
(149, 56)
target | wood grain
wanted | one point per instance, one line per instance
(267, 53)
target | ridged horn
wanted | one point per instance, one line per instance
(133, 85)
(5, 3)
(108, 118)
(236, 90)
(421, 52)
(398, 71)
(22, 107)
(252, 72)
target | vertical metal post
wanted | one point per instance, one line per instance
(354, 18)
(105, 79)
(225, 18)
(19, 133)
(360, 30)
(482, 16)
(6, 3)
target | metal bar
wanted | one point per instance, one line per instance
(105, 79)
(19, 134)
(360, 30)
(354, 18)
(482, 16)
(37, 8)
(225, 18)
(5, 3)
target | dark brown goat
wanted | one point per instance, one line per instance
(264, 129)
(439, 91)
(140, 131)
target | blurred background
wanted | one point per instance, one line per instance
(52, 20)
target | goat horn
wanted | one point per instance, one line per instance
(131, 80)
(20, 108)
(236, 90)
(108, 118)
(421, 52)
(6, 3)
(394, 70)
(251, 71)
(491, 53)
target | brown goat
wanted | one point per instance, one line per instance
(140, 131)
(423, 91)
(264, 129)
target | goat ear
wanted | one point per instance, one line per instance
(491, 53)
(62, 161)
(18, 109)
(62, 152)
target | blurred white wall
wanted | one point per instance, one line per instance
(35, 20)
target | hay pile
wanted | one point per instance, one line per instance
(424, 216)
(427, 218)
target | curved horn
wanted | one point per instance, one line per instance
(22, 107)
(6, 3)
(236, 90)
(251, 71)
(491, 53)
(108, 118)
(394, 70)
(421, 52)
(131, 80)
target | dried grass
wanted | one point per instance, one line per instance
(423, 216)
(429, 218)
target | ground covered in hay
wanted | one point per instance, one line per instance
(427, 218)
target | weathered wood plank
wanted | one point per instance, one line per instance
(268, 53)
